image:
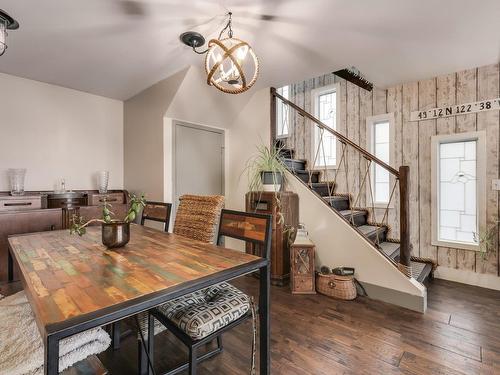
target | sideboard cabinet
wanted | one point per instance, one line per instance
(28, 218)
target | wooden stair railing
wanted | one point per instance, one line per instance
(400, 176)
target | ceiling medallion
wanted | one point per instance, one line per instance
(231, 64)
(6, 23)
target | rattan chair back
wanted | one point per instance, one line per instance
(197, 216)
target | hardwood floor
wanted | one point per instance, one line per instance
(460, 334)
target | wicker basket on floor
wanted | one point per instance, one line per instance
(341, 287)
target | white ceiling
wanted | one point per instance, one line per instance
(117, 48)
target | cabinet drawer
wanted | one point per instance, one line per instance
(112, 198)
(20, 203)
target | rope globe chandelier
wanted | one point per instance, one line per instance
(230, 63)
(6, 23)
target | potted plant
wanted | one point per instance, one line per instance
(486, 238)
(266, 170)
(115, 233)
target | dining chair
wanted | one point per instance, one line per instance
(196, 218)
(203, 316)
(157, 211)
(22, 348)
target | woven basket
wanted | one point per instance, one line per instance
(341, 287)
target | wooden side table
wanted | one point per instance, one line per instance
(302, 280)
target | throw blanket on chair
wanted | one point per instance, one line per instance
(21, 346)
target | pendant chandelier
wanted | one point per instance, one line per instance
(6, 23)
(230, 63)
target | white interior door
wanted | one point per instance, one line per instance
(198, 160)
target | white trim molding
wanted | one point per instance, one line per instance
(436, 141)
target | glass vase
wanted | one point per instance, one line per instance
(103, 182)
(16, 177)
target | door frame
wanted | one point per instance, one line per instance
(175, 124)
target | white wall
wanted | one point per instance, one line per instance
(248, 130)
(184, 96)
(143, 136)
(57, 133)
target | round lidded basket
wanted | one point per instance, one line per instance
(341, 287)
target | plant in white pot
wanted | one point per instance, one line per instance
(266, 170)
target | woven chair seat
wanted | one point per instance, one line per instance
(21, 346)
(204, 312)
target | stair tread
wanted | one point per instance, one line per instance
(421, 270)
(322, 183)
(391, 249)
(370, 229)
(297, 160)
(306, 171)
(337, 198)
(355, 212)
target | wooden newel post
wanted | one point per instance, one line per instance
(273, 116)
(404, 209)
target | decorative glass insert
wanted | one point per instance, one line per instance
(381, 147)
(283, 113)
(325, 150)
(458, 219)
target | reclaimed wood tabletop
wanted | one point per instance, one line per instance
(70, 278)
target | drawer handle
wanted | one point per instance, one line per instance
(17, 204)
(108, 200)
(331, 284)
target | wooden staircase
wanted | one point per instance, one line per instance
(358, 218)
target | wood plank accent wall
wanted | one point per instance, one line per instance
(412, 145)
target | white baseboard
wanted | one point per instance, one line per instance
(468, 277)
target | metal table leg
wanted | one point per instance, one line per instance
(51, 358)
(265, 326)
(10, 267)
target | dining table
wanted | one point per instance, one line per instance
(74, 283)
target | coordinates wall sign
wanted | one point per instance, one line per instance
(456, 109)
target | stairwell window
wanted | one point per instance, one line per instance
(380, 141)
(283, 113)
(458, 189)
(325, 102)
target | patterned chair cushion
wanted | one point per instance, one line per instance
(204, 312)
